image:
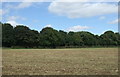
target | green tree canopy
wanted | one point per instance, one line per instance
(7, 35)
(48, 37)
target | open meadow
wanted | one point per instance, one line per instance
(79, 61)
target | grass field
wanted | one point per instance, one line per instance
(84, 61)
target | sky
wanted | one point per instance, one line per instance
(95, 17)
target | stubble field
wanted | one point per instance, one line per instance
(81, 61)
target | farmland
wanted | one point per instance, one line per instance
(79, 61)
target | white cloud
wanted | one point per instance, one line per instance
(13, 23)
(77, 28)
(20, 5)
(80, 10)
(102, 17)
(49, 25)
(23, 5)
(0, 11)
(5, 11)
(115, 21)
(8, 6)
(60, 0)
(14, 18)
(86, 0)
(0, 14)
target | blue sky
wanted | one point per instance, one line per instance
(93, 17)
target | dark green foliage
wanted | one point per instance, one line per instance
(7, 35)
(49, 37)
(118, 38)
(22, 36)
(109, 38)
(0, 34)
(74, 39)
(62, 38)
(88, 38)
(26, 37)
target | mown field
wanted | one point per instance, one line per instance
(82, 61)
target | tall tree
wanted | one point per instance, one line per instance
(70, 39)
(88, 38)
(33, 38)
(24, 36)
(1, 34)
(62, 37)
(77, 39)
(108, 38)
(7, 35)
(118, 38)
(49, 37)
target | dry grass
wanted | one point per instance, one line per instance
(84, 61)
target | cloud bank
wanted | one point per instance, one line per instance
(13, 23)
(81, 9)
(115, 21)
(77, 28)
(60, 0)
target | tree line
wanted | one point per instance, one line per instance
(23, 36)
